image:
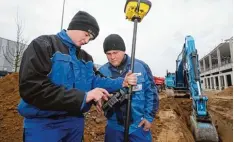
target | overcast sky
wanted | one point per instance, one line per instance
(160, 35)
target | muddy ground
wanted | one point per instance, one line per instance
(171, 123)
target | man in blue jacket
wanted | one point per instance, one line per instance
(57, 83)
(144, 99)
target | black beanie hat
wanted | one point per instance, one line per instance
(113, 42)
(85, 22)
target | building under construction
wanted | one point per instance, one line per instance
(217, 67)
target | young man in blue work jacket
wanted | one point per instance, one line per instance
(144, 99)
(57, 83)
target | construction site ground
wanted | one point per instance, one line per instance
(171, 122)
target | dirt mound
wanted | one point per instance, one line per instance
(94, 126)
(10, 121)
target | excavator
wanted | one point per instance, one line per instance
(187, 81)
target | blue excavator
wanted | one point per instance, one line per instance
(169, 80)
(187, 81)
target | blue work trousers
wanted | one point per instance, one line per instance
(55, 131)
(139, 135)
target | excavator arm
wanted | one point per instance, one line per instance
(201, 123)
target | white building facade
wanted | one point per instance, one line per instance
(217, 67)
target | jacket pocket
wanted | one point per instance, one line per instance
(62, 70)
(83, 75)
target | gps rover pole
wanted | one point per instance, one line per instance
(135, 10)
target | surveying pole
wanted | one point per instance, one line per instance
(135, 10)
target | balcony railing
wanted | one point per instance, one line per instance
(214, 66)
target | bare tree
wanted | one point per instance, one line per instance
(13, 53)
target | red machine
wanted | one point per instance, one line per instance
(159, 81)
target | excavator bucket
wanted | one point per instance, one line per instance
(203, 129)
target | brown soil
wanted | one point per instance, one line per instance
(171, 123)
(220, 107)
(226, 92)
(10, 121)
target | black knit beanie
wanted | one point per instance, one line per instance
(85, 22)
(113, 42)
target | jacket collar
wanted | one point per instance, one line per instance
(67, 40)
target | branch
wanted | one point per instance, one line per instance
(22, 48)
(13, 54)
(19, 26)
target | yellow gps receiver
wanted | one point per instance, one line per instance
(136, 9)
